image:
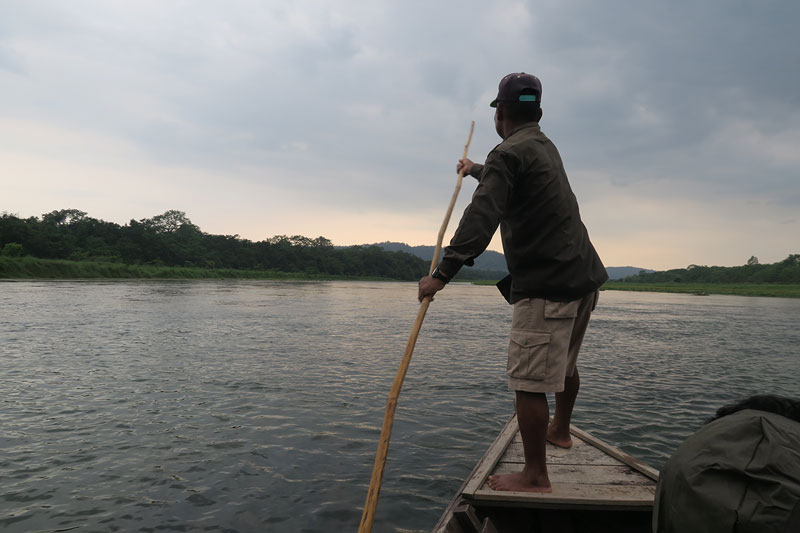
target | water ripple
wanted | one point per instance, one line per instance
(252, 406)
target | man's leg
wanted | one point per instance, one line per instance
(533, 414)
(558, 432)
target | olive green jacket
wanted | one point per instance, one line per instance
(523, 188)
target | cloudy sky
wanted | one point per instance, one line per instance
(678, 122)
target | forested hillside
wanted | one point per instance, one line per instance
(171, 239)
(786, 271)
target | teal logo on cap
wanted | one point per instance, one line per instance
(527, 98)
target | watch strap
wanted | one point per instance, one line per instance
(438, 275)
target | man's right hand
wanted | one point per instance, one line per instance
(464, 165)
(428, 286)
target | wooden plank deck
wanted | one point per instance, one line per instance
(590, 475)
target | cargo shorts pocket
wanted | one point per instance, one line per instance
(527, 354)
(554, 309)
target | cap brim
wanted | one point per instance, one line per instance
(494, 103)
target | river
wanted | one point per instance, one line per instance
(257, 405)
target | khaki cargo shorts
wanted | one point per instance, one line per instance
(546, 337)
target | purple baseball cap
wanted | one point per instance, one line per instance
(519, 87)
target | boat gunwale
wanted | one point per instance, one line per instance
(447, 516)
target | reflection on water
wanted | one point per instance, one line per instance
(252, 406)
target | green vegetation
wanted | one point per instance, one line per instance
(32, 267)
(69, 244)
(780, 279)
(786, 271)
(12, 249)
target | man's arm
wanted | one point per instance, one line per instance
(428, 286)
(482, 216)
(470, 168)
(479, 221)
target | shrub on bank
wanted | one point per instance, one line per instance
(33, 268)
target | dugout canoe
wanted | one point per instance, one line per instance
(596, 488)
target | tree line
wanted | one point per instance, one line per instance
(171, 239)
(786, 271)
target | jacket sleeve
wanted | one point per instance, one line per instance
(482, 216)
(476, 171)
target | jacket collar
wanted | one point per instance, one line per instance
(534, 125)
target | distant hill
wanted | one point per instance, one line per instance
(493, 261)
(488, 260)
(624, 272)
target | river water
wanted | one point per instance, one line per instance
(257, 405)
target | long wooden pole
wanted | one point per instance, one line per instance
(368, 517)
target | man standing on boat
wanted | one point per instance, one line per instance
(555, 272)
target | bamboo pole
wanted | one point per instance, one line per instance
(368, 517)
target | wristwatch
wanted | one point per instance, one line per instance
(438, 275)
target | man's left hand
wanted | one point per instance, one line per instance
(428, 286)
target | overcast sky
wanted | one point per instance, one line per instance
(678, 122)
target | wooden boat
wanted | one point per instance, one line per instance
(596, 488)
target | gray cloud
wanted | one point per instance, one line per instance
(358, 103)
(673, 76)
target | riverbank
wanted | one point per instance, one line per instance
(35, 268)
(776, 290)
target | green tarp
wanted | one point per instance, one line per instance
(738, 474)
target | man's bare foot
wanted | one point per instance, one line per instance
(518, 482)
(556, 439)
